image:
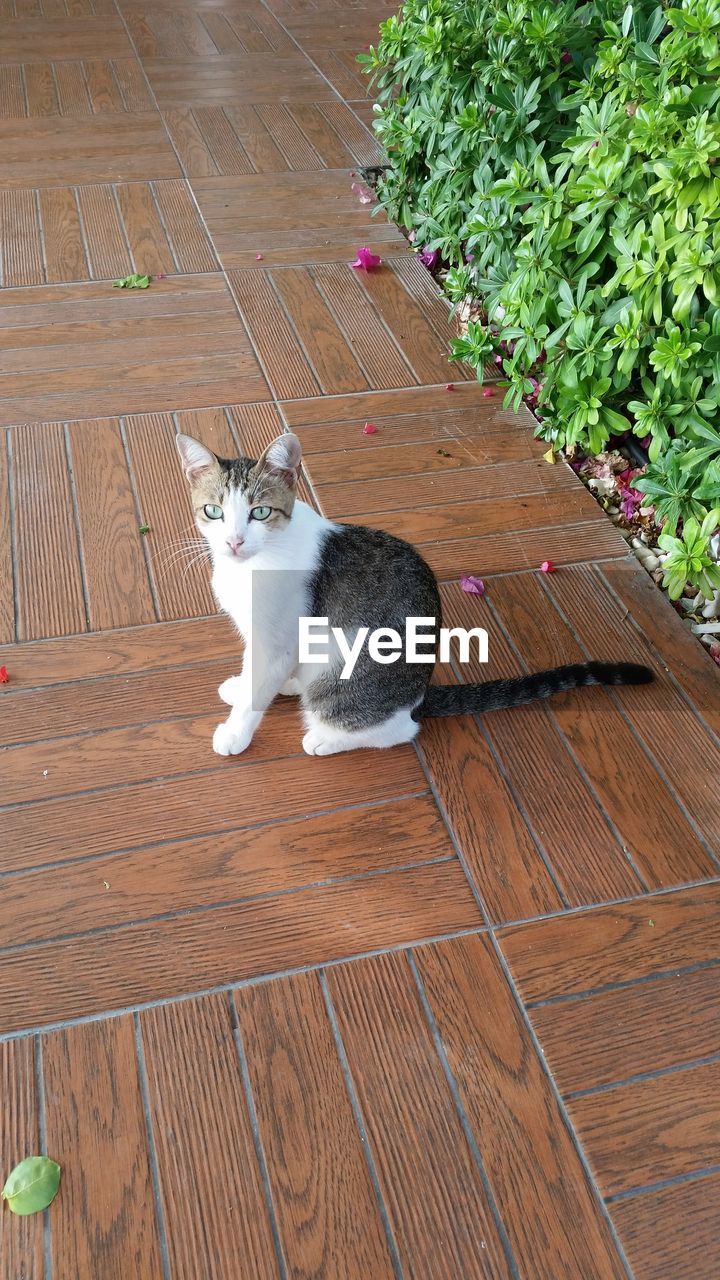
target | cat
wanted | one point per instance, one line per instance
(276, 560)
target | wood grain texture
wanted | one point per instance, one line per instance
(673, 1234)
(38, 38)
(7, 602)
(607, 1037)
(650, 1130)
(613, 944)
(552, 1216)
(657, 711)
(231, 943)
(49, 578)
(103, 1221)
(285, 77)
(21, 1239)
(121, 653)
(191, 873)
(689, 662)
(214, 1207)
(328, 1219)
(62, 151)
(115, 571)
(112, 356)
(657, 836)
(437, 1204)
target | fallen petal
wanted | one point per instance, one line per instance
(547, 566)
(429, 258)
(488, 392)
(474, 586)
(4, 677)
(369, 429)
(363, 193)
(366, 260)
(449, 386)
(258, 257)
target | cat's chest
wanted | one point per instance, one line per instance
(233, 591)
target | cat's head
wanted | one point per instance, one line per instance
(241, 504)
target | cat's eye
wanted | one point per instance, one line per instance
(213, 511)
(260, 513)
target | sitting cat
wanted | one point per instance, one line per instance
(275, 560)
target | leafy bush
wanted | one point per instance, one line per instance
(565, 161)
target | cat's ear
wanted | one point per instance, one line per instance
(194, 457)
(282, 458)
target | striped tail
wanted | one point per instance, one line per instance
(495, 695)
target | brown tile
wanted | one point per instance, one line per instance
(658, 837)
(104, 1218)
(644, 1132)
(88, 350)
(230, 943)
(349, 29)
(260, 77)
(60, 152)
(21, 1240)
(437, 1204)
(192, 873)
(342, 70)
(7, 601)
(319, 1180)
(214, 1209)
(161, 30)
(57, 38)
(672, 1234)
(607, 1037)
(551, 1213)
(415, 413)
(614, 944)
(57, 662)
(257, 214)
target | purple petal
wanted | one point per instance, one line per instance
(473, 586)
(429, 258)
(366, 260)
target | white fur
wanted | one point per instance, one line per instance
(324, 739)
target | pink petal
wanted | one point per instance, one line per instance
(160, 277)
(449, 386)
(366, 260)
(258, 257)
(369, 429)
(429, 258)
(488, 392)
(547, 566)
(474, 586)
(363, 193)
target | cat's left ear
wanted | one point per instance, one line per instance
(194, 457)
(282, 458)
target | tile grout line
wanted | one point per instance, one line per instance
(17, 621)
(42, 1137)
(62, 1024)
(641, 1077)
(462, 1113)
(151, 1148)
(360, 1126)
(257, 1137)
(78, 527)
(591, 1182)
(152, 585)
(676, 971)
(679, 1180)
(612, 827)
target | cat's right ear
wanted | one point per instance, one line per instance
(194, 457)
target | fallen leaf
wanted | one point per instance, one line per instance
(132, 282)
(32, 1185)
(369, 429)
(550, 457)
(547, 566)
(651, 923)
(474, 586)
(143, 529)
(4, 677)
(444, 453)
(366, 260)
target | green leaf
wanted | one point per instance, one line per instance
(32, 1185)
(132, 282)
(143, 529)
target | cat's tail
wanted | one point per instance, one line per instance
(474, 699)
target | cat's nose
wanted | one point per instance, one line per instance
(234, 543)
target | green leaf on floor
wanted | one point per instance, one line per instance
(132, 282)
(143, 529)
(32, 1185)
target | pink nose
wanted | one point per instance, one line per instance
(234, 544)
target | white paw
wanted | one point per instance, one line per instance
(291, 688)
(231, 739)
(318, 743)
(231, 690)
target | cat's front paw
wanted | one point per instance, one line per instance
(230, 690)
(231, 739)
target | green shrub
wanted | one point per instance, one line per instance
(566, 164)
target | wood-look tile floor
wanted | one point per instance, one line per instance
(447, 1013)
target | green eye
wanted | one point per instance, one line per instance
(212, 511)
(260, 513)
